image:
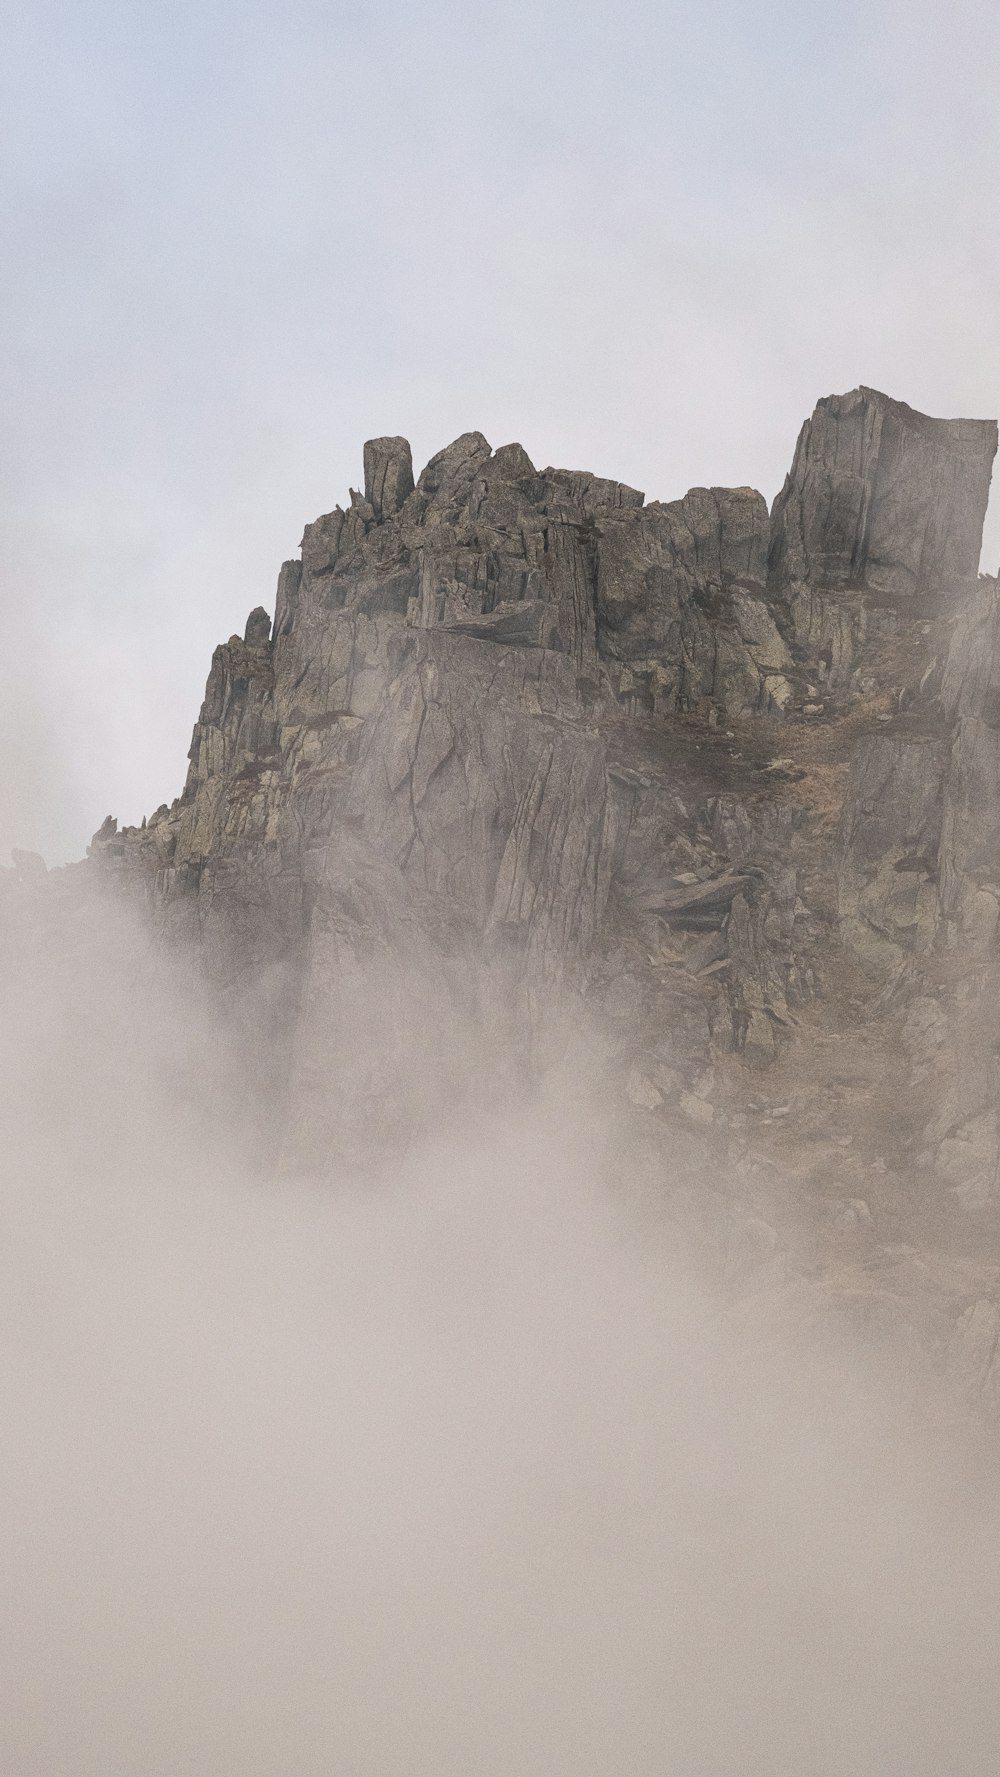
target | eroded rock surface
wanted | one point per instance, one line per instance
(522, 755)
(883, 498)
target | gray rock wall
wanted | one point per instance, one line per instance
(883, 498)
(522, 754)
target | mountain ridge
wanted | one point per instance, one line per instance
(521, 753)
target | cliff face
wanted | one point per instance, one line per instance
(522, 753)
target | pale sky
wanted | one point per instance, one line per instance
(240, 239)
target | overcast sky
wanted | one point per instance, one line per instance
(238, 239)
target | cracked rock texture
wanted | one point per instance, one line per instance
(522, 755)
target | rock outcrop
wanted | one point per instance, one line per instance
(883, 499)
(881, 517)
(522, 753)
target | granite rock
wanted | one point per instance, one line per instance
(524, 755)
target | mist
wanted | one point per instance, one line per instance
(458, 1457)
(451, 1465)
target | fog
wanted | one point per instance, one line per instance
(452, 1466)
(444, 1469)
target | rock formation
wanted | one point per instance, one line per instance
(521, 752)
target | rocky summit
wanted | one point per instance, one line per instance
(525, 762)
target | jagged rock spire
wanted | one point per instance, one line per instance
(388, 475)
